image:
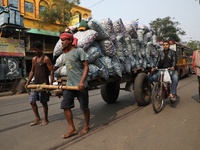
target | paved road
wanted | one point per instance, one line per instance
(120, 126)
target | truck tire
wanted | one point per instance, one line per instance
(110, 92)
(142, 89)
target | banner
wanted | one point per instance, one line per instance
(12, 47)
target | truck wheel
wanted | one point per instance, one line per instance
(142, 89)
(110, 92)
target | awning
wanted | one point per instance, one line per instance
(21, 28)
(43, 32)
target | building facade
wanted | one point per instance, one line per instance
(30, 10)
(48, 34)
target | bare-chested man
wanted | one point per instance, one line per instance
(41, 68)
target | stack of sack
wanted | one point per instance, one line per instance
(114, 48)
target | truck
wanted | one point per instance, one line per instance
(184, 61)
(12, 64)
(12, 50)
(133, 61)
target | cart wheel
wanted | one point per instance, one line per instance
(110, 92)
(142, 89)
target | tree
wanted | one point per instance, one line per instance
(58, 13)
(165, 28)
(198, 0)
(193, 45)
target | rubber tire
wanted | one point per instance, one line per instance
(110, 92)
(142, 89)
(156, 100)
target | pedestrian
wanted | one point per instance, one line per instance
(41, 69)
(76, 62)
(167, 58)
(196, 67)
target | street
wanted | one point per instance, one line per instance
(120, 126)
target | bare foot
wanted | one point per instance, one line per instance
(69, 134)
(36, 122)
(44, 123)
(170, 95)
(84, 131)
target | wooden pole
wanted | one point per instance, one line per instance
(51, 87)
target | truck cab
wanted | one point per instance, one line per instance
(12, 49)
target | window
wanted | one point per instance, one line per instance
(77, 13)
(14, 2)
(85, 16)
(29, 7)
(43, 6)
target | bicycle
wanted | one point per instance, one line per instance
(161, 91)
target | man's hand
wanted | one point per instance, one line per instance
(172, 68)
(81, 87)
(26, 85)
(153, 69)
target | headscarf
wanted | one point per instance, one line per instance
(70, 36)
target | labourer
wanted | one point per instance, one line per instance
(76, 62)
(40, 70)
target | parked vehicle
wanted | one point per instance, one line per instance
(12, 49)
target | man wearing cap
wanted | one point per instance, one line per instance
(76, 62)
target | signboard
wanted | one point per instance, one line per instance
(12, 67)
(12, 47)
(74, 20)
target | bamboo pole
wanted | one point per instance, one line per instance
(57, 92)
(51, 87)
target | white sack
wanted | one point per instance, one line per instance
(107, 24)
(93, 72)
(108, 47)
(86, 38)
(57, 49)
(95, 25)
